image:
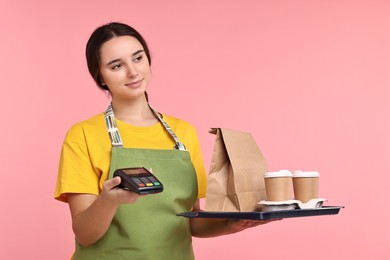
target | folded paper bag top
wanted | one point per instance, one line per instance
(235, 181)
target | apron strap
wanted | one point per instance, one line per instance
(178, 145)
(112, 128)
(115, 137)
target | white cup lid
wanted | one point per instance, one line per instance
(281, 173)
(305, 174)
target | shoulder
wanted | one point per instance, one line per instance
(184, 130)
(179, 124)
(90, 122)
(91, 126)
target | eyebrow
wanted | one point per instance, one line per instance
(116, 60)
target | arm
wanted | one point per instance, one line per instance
(92, 215)
(204, 227)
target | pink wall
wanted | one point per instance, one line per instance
(309, 79)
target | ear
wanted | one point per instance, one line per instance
(101, 81)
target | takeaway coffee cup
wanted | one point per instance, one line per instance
(278, 185)
(305, 185)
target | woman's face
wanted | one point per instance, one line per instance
(124, 67)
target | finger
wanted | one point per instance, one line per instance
(109, 184)
(253, 223)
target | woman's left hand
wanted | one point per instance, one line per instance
(240, 225)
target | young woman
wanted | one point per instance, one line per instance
(113, 223)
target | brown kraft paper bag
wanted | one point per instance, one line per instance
(236, 177)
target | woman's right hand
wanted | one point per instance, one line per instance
(92, 214)
(117, 195)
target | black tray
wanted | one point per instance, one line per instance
(264, 215)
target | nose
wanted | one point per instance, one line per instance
(131, 71)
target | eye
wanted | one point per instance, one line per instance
(116, 66)
(138, 58)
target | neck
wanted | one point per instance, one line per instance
(136, 112)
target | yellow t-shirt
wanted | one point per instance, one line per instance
(86, 152)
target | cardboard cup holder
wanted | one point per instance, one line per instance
(290, 204)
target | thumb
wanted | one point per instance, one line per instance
(113, 182)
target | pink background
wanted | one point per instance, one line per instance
(308, 79)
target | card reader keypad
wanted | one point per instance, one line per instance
(145, 180)
(139, 180)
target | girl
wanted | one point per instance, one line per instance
(113, 223)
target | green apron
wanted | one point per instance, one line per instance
(149, 228)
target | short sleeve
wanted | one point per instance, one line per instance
(75, 173)
(197, 161)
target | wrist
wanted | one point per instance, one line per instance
(106, 202)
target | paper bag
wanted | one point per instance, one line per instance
(236, 177)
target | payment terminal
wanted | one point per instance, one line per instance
(139, 180)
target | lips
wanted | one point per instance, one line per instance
(134, 84)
